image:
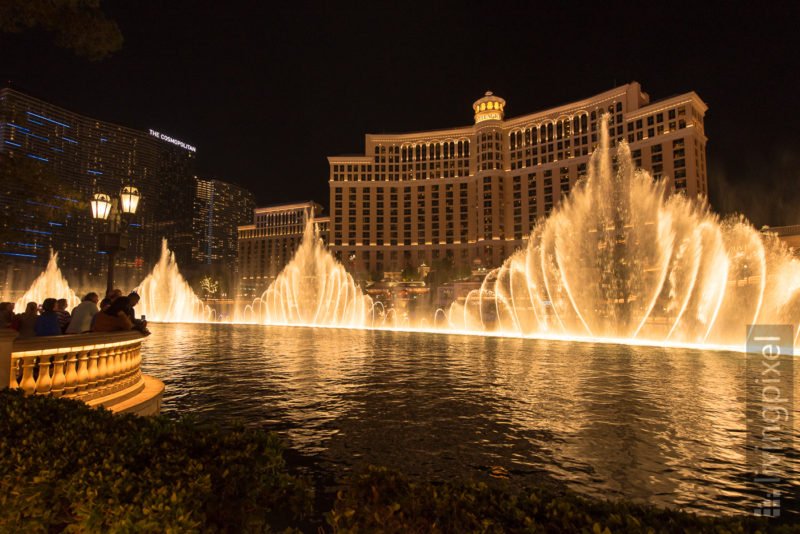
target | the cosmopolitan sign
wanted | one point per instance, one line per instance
(168, 139)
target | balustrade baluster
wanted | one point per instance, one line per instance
(111, 369)
(28, 384)
(44, 382)
(71, 374)
(117, 364)
(83, 371)
(16, 365)
(126, 361)
(59, 379)
(92, 373)
(102, 367)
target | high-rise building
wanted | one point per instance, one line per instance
(473, 193)
(267, 245)
(219, 209)
(41, 143)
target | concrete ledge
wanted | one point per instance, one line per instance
(115, 397)
(146, 401)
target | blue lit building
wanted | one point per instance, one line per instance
(86, 155)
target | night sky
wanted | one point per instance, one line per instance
(267, 93)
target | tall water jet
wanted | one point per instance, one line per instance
(50, 284)
(619, 258)
(313, 289)
(167, 297)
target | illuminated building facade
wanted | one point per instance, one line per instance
(83, 156)
(219, 209)
(267, 245)
(472, 194)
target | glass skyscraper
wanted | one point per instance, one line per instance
(41, 143)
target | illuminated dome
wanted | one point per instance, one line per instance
(490, 107)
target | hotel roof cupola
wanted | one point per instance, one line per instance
(489, 108)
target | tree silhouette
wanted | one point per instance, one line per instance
(78, 25)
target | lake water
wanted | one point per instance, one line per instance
(655, 425)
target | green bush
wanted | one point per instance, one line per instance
(65, 465)
(384, 501)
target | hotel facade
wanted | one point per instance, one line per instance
(473, 194)
(83, 155)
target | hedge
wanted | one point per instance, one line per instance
(65, 466)
(380, 500)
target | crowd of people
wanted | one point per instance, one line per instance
(114, 313)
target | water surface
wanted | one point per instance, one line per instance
(663, 426)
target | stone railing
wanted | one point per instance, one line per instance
(97, 368)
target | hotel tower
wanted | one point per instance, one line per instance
(473, 193)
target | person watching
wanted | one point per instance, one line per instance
(110, 297)
(114, 318)
(47, 322)
(138, 324)
(26, 322)
(63, 315)
(83, 313)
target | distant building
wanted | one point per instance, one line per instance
(267, 245)
(84, 156)
(219, 209)
(473, 193)
(789, 235)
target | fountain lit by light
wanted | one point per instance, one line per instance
(621, 260)
(167, 297)
(618, 261)
(49, 284)
(313, 289)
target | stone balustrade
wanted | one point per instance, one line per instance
(98, 368)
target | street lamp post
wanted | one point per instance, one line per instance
(116, 211)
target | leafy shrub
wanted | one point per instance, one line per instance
(63, 464)
(384, 501)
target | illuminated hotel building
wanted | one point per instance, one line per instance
(474, 193)
(85, 155)
(219, 209)
(267, 245)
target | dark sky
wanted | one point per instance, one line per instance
(266, 91)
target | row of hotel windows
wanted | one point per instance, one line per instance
(657, 159)
(449, 232)
(530, 146)
(679, 163)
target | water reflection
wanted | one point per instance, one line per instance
(656, 425)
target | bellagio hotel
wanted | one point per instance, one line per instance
(474, 193)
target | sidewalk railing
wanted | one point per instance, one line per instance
(87, 367)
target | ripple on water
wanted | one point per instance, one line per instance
(664, 426)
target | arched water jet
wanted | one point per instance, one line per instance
(620, 258)
(50, 284)
(167, 297)
(314, 289)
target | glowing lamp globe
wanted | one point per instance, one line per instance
(130, 199)
(101, 206)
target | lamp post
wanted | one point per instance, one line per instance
(116, 211)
